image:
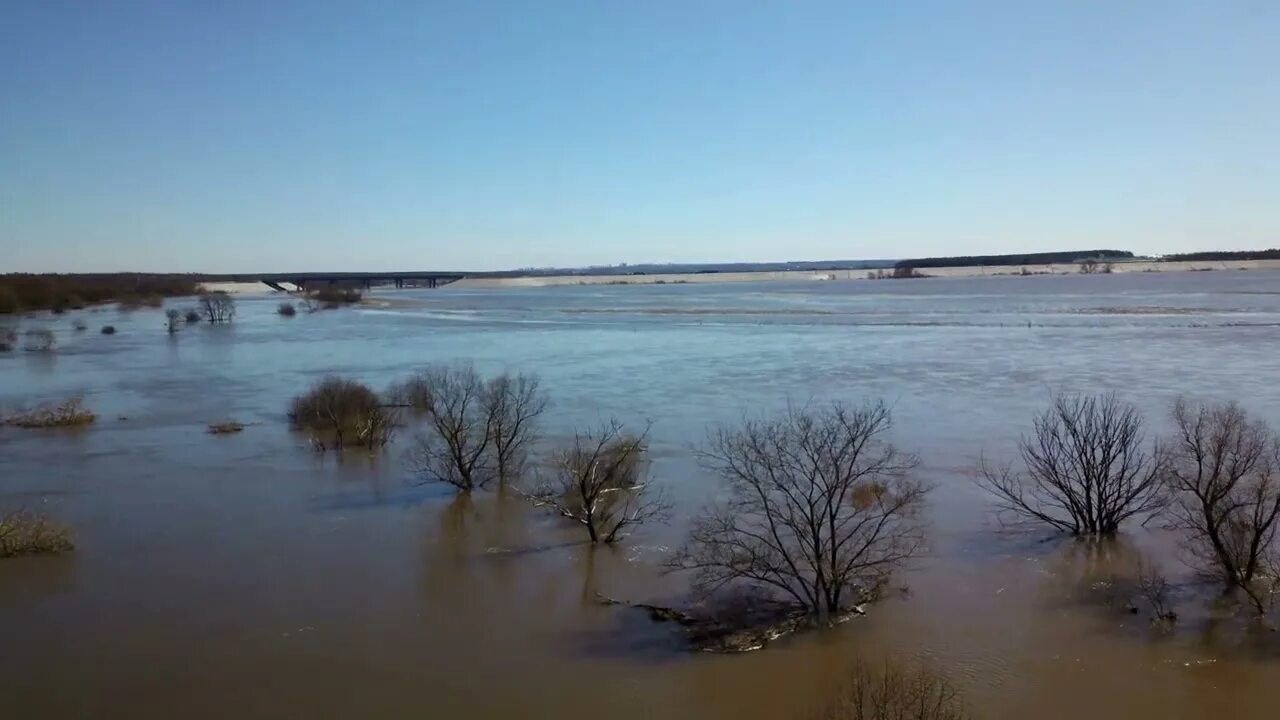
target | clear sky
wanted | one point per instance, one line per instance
(240, 135)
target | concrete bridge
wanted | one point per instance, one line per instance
(365, 280)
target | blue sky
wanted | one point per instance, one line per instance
(250, 135)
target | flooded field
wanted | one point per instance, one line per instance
(247, 576)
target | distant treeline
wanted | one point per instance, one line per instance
(1023, 259)
(1272, 254)
(21, 292)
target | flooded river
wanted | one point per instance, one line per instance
(246, 576)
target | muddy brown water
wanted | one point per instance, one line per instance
(244, 576)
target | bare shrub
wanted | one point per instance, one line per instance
(1154, 588)
(341, 413)
(1088, 267)
(598, 481)
(1086, 470)
(68, 413)
(39, 340)
(1223, 469)
(192, 316)
(286, 309)
(820, 509)
(218, 307)
(456, 447)
(108, 329)
(890, 693)
(174, 319)
(513, 404)
(26, 533)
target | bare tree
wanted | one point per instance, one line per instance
(1222, 467)
(1086, 471)
(819, 509)
(598, 481)
(218, 307)
(1154, 587)
(895, 694)
(513, 404)
(456, 447)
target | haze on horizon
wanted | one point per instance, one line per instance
(249, 136)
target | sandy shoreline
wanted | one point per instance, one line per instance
(970, 271)
(235, 288)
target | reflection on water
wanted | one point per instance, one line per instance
(246, 576)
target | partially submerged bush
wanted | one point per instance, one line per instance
(192, 316)
(108, 329)
(8, 340)
(218, 307)
(79, 326)
(39, 340)
(68, 413)
(891, 693)
(226, 427)
(25, 533)
(174, 319)
(286, 309)
(339, 413)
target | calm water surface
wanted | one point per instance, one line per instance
(244, 576)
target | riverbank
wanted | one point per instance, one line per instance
(799, 275)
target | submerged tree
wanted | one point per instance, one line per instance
(1086, 469)
(598, 481)
(218, 307)
(819, 509)
(1223, 469)
(478, 429)
(455, 449)
(513, 403)
(891, 693)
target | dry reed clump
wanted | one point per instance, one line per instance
(226, 427)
